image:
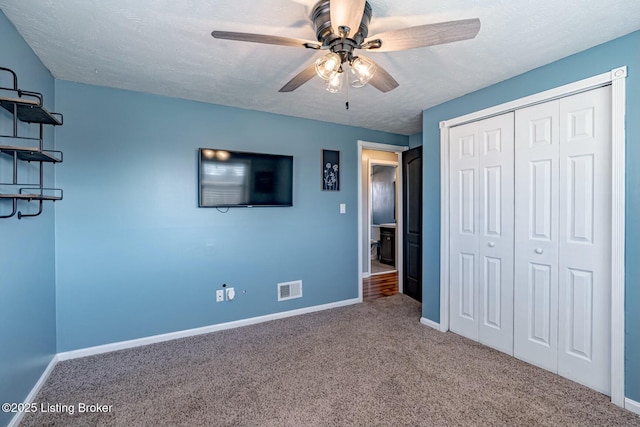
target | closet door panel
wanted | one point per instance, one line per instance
(536, 235)
(585, 239)
(496, 232)
(464, 253)
(481, 233)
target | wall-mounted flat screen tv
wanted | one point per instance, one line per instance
(240, 179)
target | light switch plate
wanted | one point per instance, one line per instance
(343, 208)
(219, 295)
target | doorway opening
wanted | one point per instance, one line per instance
(380, 253)
(382, 217)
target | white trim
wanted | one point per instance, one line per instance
(398, 149)
(632, 405)
(382, 147)
(400, 220)
(548, 95)
(618, 191)
(430, 323)
(15, 421)
(106, 348)
(368, 220)
(616, 78)
(444, 227)
(360, 254)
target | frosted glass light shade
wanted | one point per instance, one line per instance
(364, 69)
(334, 84)
(328, 65)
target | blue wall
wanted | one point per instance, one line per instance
(415, 140)
(600, 59)
(27, 288)
(137, 257)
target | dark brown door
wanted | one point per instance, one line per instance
(412, 208)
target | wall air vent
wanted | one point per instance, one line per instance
(289, 290)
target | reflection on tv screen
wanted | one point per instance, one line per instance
(231, 178)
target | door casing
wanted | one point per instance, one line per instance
(398, 149)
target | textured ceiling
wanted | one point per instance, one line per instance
(165, 47)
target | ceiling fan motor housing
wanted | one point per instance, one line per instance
(342, 41)
(321, 19)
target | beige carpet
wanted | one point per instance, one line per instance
(371, 364)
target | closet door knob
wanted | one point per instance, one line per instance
(539, 251)
(492, 245)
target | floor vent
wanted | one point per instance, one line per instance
(289, 290)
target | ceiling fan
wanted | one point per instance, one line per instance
(341, 27)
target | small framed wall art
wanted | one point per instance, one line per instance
(330, 168)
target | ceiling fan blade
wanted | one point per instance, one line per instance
(266, 39)
(346, 13)
(382, 80)
(300, 79)
(424, 35)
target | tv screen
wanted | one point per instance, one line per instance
(235, 178)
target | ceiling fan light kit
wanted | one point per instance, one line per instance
(328, 65)
(364, 69)
(334, 84)
(341, 27)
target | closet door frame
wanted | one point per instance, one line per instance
(617, 79)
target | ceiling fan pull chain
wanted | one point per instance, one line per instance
(346, 76)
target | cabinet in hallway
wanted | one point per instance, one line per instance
(388, 245)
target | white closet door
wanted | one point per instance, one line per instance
(536, 235)
(496, 233)
(562, 263)
(464, 233)
(585, 239)
(482, 231)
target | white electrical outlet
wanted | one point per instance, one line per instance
(231, 294)
(219, 295)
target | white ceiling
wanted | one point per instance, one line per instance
(165, 47)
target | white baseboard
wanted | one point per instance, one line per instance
(632, 405)
(430, 323)
(90, 351)
(34, 391)
(74, 354)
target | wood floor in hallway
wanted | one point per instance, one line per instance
(379, 285)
